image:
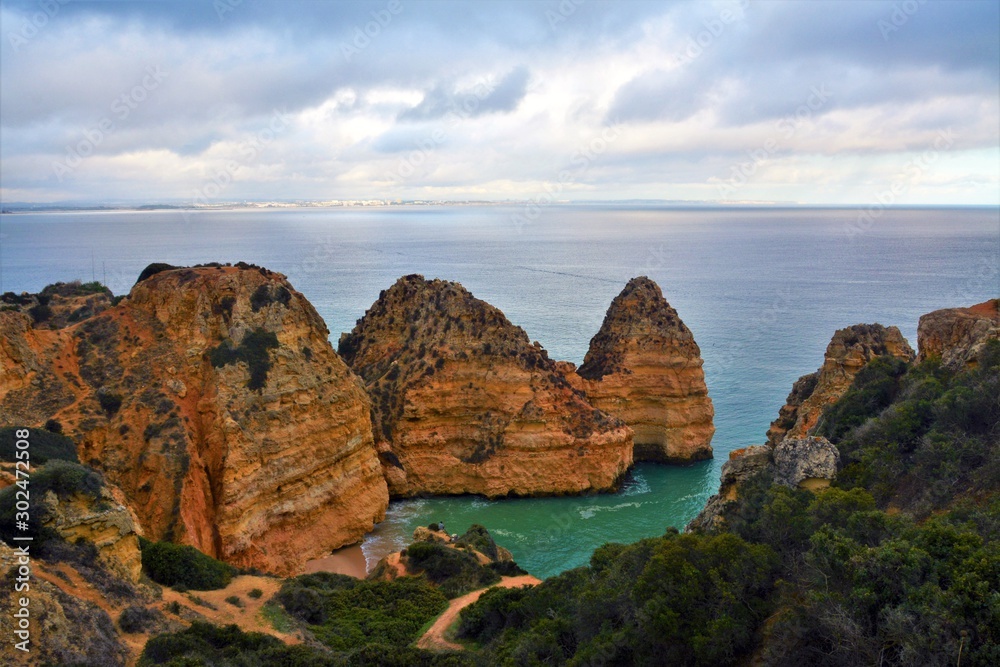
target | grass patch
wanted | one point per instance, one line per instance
(277, 617)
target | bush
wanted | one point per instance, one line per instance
(44, 445)
(171, 564)
(40, 313)
(152, 270)
(235, 601)
(253, 350)
(267, 294)
(454, 572)
(137, 619)
(110, 402)
(255, 594)
(206, 644)
(479, 539)
(347, 614)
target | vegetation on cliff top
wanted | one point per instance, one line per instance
(348, 614)
(826, 578)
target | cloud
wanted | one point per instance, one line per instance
(485, 97)
(492, 96)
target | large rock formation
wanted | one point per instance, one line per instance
(848, 352)
(956, 335)
(808, 463)
(462, 402)
(645, 368)
(212, 398)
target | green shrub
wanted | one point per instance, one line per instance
(255, 593)
(171, 564)
(74, 288)
(347, 614)
(40, 313)
(479, 539)
(206, 644)
(455, 572)
(253, 351)
(152, 270)
(45, 444)
(110, 402)
(267, 294)
(873, 389)
(235, 601)
(137, 619)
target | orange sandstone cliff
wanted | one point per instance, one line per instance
(956, 335)
(645, 368)
(462, 402)
(212, 397)
(848, 352)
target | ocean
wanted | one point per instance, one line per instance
(762, 289)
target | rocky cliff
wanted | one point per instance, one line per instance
(463, 402)
(809, 463)
(645, 368)
(956, 335)
(212, 397)
(848, 352)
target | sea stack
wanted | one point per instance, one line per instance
(645, 367)
(849, 351)
(213, 399)
(463, 402)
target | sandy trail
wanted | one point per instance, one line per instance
(434, 638)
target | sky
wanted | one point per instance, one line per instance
(207, 101)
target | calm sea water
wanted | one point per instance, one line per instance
(762, 290)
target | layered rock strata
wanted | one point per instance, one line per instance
(463, 402)
(104, 521)
(212, 397)
(645, 368)
(848, 352)
(957, 335)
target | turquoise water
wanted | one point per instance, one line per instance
(763, 289)
(549, 535)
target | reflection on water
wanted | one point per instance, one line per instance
(550, 535)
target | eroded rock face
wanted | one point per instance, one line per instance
(809, 462)
(462, 402)
(212, 398)
(105, 522)
(957, 335)
(65, 630)
(645, 368)
(848, 352)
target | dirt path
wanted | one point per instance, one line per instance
(434, 638)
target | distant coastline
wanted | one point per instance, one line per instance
(27, 207)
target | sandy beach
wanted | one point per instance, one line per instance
(346, 560)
